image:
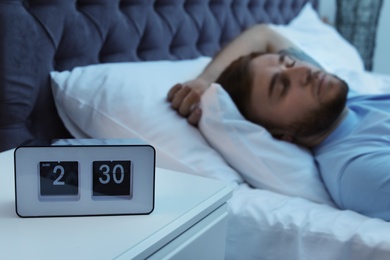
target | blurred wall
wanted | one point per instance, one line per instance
(382, 51)
(381, 60)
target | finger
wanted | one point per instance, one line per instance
(194, 117)
(179, 97)
(189, 102)
(172, 92)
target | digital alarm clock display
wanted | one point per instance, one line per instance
(110, 178)
(84, 177)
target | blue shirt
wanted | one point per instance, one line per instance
(354, 160)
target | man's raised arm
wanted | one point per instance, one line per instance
(185, 97)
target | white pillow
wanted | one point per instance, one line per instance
(321, 41)
(263, 161)
(128, 100)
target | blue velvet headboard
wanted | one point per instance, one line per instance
(38, 36)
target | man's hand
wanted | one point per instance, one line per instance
(185, 99)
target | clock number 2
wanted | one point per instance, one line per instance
(58, 178)
(59, 169)
(117, 170)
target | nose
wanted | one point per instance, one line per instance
(299, 75)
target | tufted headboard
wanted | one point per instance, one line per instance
(39, 36)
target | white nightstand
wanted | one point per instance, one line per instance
(188, 222)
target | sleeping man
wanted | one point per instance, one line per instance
(277, 86)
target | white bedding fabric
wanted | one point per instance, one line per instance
(128, 100)
(266, 225)
(284, 227)
(262, 224)
(263, 162)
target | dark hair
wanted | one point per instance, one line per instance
(237, 80)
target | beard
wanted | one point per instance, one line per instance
(321, 119)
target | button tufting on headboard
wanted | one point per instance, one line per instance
(38, 36)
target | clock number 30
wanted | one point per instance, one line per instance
(118, 174)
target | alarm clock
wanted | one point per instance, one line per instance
(84, 177)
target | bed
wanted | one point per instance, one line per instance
(102, 68)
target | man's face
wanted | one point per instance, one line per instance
(287, 91)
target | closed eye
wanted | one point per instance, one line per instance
(289, 62)
(278, 78)
(285, 86)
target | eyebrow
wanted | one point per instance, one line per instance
(276, 76)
